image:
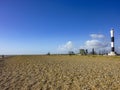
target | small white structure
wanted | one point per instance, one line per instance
(112, 53)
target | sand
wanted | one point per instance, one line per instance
(60, 73)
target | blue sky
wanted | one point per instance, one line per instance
(56, 26)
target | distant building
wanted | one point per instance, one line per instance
(83, 52)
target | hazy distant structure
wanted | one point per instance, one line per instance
(112, 53)
(83, 52)
(2, 56)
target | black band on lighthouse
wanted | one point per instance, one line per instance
(112, 39)
(112, 49)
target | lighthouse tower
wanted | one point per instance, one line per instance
(112, 53)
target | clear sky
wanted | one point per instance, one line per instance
(57, 26)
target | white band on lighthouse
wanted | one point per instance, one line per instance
(112, 33)
(112, 44)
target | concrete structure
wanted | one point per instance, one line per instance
(112, 53)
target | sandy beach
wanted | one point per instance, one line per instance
(60, 73)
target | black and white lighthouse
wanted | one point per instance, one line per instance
(112, 53)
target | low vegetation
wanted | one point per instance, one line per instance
(60, 73)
